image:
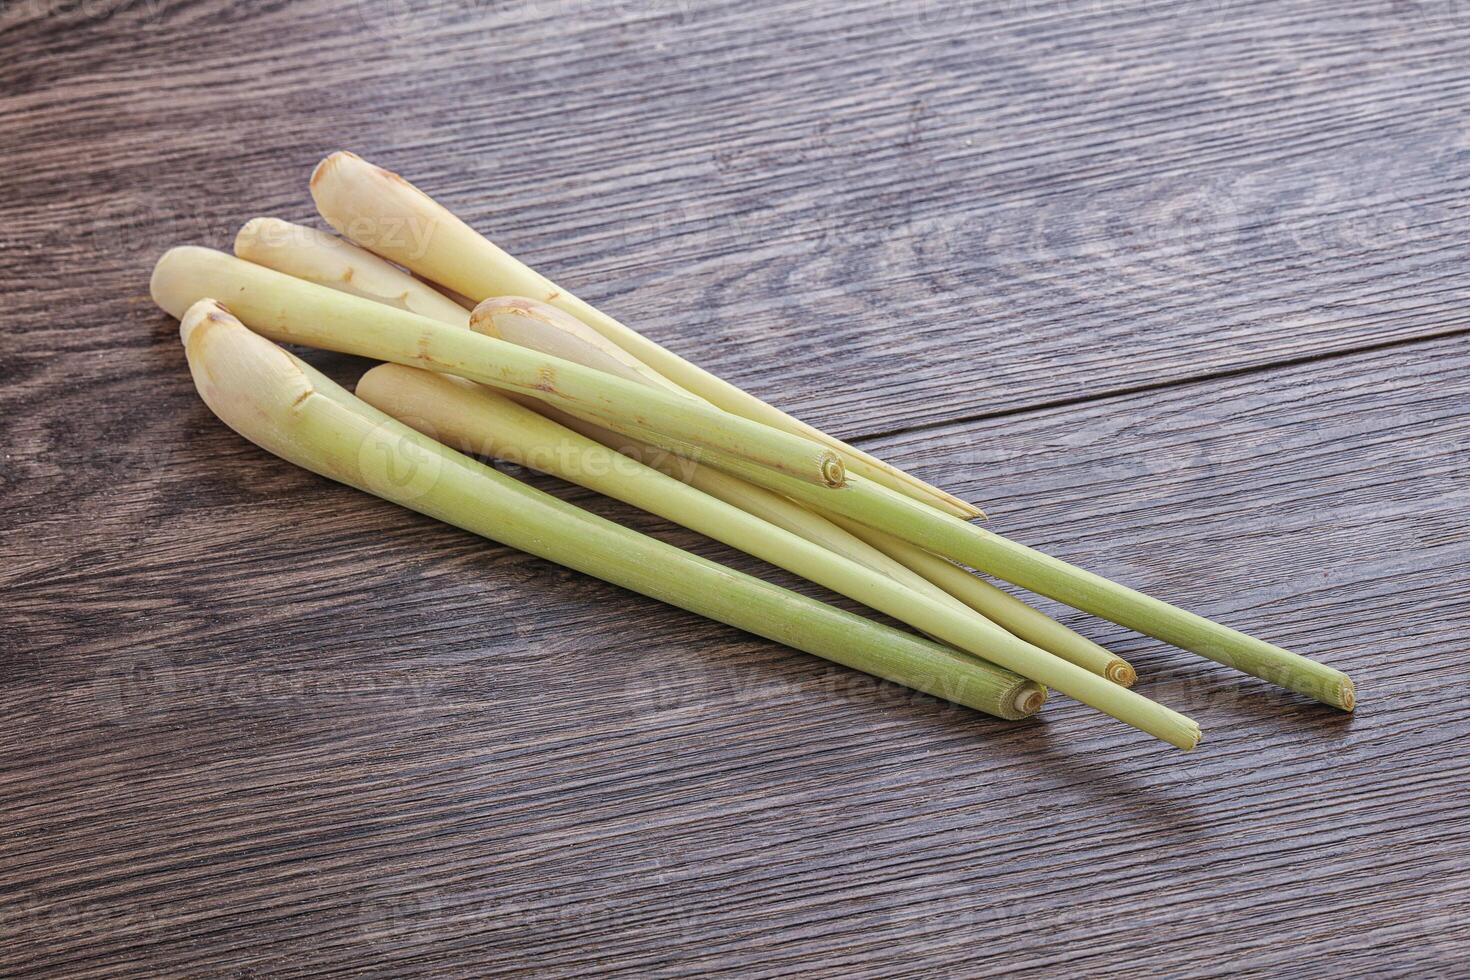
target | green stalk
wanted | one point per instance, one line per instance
(283, 405)
(293, 310)
(386, 214)
(757, 501)
(998, 605)
(877, 507)
(545, 328)
(471, 417)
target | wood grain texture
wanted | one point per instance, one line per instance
(1175, 289)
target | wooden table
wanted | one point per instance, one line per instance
(1177, 290)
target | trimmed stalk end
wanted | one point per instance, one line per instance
(252, 385)
(1121, 672)
(1195, 729)
(834, 474)
(1029, 699)
(968, 511)
(1347, 694)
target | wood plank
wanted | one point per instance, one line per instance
(291, 729)
(980, 211)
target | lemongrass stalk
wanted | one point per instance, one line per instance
(757, 501)
(545, 328)
(878, 507)
(471, 417)
(284, 406)
(998, 605)
(330, 261)
(384, 213)
(293, 310)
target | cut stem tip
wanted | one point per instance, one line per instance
(1121, 672)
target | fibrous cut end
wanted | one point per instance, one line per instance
(834, 474)
(253, 231)
(1192, 742)
(344, 175)
(1121, 672)
(1029, 699)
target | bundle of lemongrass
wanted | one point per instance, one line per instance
(487, 358)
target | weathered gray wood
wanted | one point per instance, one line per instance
(252, 722)
(281, 783)
(980, 209)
